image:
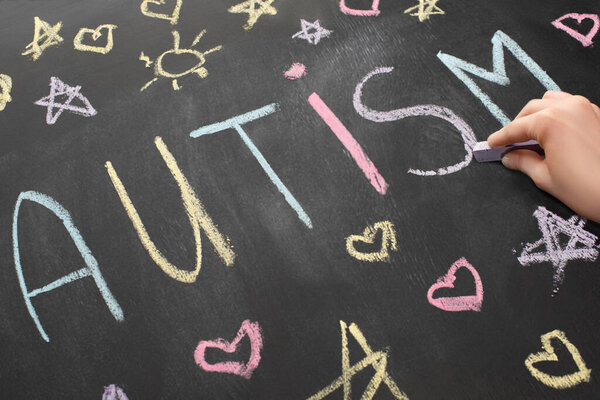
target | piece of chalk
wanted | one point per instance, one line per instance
(484, 153)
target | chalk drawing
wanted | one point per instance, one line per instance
(113, 392)
(378, 360)
(457, 303)
(585, 40)
(296, 71)
(95, 34)
(172, 18)
(583, 373)
(388, 241)
(255, 9)
(423, 110)
(236, 123)
(354, 148)
(197, 69)
(90, 270)
(61, 91)
(44, 36)
(5, 88)
(373, 12)
(312, 32)
(424, 9)
(500, 40)
(245, 370)
(197, 215)
(580, 246)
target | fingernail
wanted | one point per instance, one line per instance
(508, 161)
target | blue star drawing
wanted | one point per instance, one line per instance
(312, 32)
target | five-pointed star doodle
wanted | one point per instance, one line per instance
(254, 9)
(424, 9)
(376, 359)
(59, 88)
(312, 31)
(580, 244)
(44, 36)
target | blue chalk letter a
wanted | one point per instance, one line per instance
(91, 268)
(460, 68)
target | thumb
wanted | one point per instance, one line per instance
(530, 163)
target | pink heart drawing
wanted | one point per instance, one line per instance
(252, 329)
(585, 40)
(458, 303)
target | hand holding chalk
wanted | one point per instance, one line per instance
(567, 128)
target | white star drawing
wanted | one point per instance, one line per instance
(312, 32)
(61, 91)
(579, 246)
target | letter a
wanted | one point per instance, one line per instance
(373, 12)
(199, 219)
(91, 268)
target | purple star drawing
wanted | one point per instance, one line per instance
(312, 32)
(60, 91)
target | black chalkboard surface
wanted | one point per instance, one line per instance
(271, 199)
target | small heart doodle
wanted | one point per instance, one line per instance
(457, 303)
(388, 241)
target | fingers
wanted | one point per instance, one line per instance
(553, 94)
(530, 163)
(537, 105)
(519, 130)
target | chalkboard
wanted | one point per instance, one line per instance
(270, 199)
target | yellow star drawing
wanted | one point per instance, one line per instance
(254, 8)
(424, 9)
(377, 359)
(43, 31)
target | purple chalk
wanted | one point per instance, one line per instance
(484, 153)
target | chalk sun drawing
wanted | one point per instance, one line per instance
(373, 12)
(243, 369)
(296, 71)
(236, 123)
(91, 268)
(460, 68)
(388, 242)
(95, 35)
(60, 91)
(197, 215)
(350, 143)
(5, 88)
(457, 303)
(172, 18)
(197, 69)
(376, 359)
(44, 36)
(580, 244)
(423, 110)
(312, 32)
(585, 40)
(255, 9)
(583, 373)
(424, 9)
(113, 392)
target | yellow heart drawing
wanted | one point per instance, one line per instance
(5, 87)
(96, 33)
(558, 382)
(388, 241)
(173, 17)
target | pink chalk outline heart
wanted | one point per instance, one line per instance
(252, 329)
(585, 40)
(458, 303)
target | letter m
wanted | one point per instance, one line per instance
(500, 41)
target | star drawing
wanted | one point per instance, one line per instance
(578, 244)
(424, 9)
(254, 9)
(312, 32)
(60, 90)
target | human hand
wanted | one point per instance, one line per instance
(567, 127)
